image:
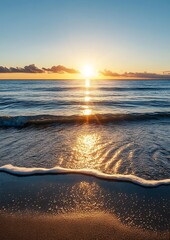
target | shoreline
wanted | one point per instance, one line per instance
(81, 207)
(28, 172)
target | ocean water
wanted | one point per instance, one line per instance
(106, 128)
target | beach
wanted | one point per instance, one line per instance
(83, 226)
(81, 207)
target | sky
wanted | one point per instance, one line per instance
(117, 37)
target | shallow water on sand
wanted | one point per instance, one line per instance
(134, 148)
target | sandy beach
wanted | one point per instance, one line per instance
(71, 226)
(81, 207)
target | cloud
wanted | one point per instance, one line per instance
(109, 73)
(27, 69)
(166, 72)
(60, 69)
(144, 75)
(33, 69)
(4, 70)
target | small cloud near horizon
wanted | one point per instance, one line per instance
(33, 69)
(27, 69)
(61, 69)
(144, 75)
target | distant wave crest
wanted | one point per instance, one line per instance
(22, 171)
(36, 120)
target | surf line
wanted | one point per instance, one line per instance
(23, 171)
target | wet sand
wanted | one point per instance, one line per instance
(71, 226)
(81, 207)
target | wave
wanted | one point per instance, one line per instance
(98, 88)
(59, 89)
(8, 102)
(22, 171)
(37, 120)
(133, 89)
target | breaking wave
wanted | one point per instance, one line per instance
(36, 120)
(22, 171)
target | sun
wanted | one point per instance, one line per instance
(88, 71)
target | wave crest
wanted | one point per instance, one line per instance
(24, 121)
(22, 171)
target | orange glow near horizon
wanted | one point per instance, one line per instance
(87, 72)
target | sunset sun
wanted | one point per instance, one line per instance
(88, 71)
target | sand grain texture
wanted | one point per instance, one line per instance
(71, 226)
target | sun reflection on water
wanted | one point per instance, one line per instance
(88, 141)
(87, 83)
(87, 98)
(85, 150)
(87, 110)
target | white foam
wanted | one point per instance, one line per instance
(22, 171)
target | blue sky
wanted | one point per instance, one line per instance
(121, 35)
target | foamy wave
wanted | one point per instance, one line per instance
(22, 171)
(24, 121)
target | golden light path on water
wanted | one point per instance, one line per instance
(86, 142)
(88, 146)
(85, 148)
(87, 111)
(89, 196)
(88, 149)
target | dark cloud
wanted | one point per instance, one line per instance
(166, 72)
(27, 69)
(4, 70)
(144, 75)
(60, 69)
(109, 73)
(33, 69)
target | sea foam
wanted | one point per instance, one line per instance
(22, 171)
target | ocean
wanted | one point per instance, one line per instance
(85, 159)
(106, 128)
